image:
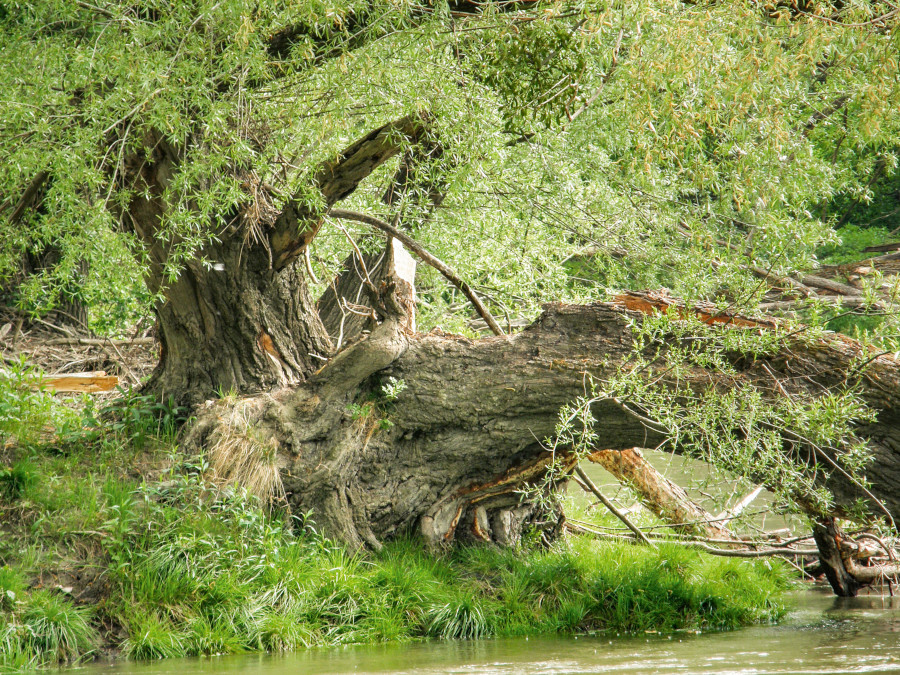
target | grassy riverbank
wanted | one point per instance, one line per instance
(112, 543)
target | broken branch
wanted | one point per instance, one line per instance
(589, 485)
(426, 257)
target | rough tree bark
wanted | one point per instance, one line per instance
(244, 321)
(464, 436)
(833, 559)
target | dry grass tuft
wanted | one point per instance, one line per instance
(240, 455)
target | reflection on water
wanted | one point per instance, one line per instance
(822, 635)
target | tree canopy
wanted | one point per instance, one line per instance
(623, 144)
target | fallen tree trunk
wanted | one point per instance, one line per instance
(450, 452)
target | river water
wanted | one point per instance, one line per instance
(821, 635)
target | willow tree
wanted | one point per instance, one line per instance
(234, 159)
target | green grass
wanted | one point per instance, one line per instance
(225, 578)
(41, 627)
(184, 570)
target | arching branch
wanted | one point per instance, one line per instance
(295, 227)
(427, 258)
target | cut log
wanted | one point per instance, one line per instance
(90, 382)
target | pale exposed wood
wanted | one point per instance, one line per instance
(728, 514)
(666, 499)
(90, 382)
(426, 257)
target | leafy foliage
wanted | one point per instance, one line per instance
(784, 443)
(653, 130)
(27, 412)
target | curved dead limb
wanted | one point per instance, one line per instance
(666, 499)
(427, 258)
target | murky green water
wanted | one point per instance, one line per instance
(822, 635)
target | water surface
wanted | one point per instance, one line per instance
(821, 635)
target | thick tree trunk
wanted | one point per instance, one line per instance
(450, 455)
(242, 320)
(240, 326)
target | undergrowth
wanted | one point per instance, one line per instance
(112, 542)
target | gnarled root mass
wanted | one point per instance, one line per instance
(849, 564)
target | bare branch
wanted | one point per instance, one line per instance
(588, 484)
(28, 196)
(426, 257)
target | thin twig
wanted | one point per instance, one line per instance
(98, 341)
(589, 484)
(727, 553)
(309, 269)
